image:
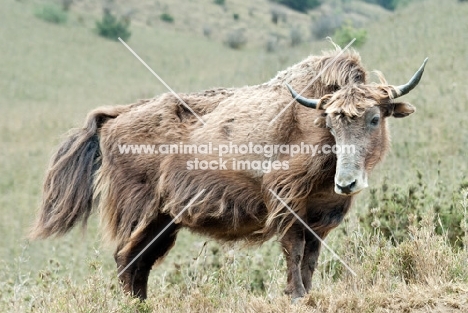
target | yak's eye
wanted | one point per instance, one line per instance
(375, 120)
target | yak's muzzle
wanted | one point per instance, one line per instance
(349, 182)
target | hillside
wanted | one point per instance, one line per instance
(253, 19)
(52, 75)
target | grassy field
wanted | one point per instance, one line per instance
(406, 236)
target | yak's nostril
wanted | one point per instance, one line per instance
(347, 189)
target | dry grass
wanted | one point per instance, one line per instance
(52, 75)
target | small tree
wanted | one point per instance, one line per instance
(111, 28)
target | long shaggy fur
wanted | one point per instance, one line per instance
(68, 186)
(139, 194)
(134, 189)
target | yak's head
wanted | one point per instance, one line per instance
(356, 117)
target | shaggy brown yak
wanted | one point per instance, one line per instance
(138, 195)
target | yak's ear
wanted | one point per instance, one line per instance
(321, 121)
(402, 109)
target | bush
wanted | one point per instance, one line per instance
(166, 17)
(111, 28)
(66, 4)
(235, 16)
(296, 36)
(393, 210)
(347, 32)
(300, 5)
(52, 14)
(326, 25)
(236, 39)
(220, 2)
(207, 31)
(277, 15)
(388, 4)
(271, 44)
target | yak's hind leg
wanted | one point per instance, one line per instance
(134, 279)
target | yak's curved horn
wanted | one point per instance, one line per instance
(310, 103)
(404, 89)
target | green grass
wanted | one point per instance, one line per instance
(52, 75)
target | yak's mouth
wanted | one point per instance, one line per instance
(347, 193)
(349, 183)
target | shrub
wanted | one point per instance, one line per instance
(207, 31)
(393, 210)
(296, 36)
(274, 16)
(66, 4)
(326, 25)
(272, 43)
(220, 2)
(235, 16)
(236, 39)
(278, 15)
(389, 4)
(166, 17)
(300, 5)
(347, 32)
(52, 14)
(111, 28)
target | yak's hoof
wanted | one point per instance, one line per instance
(297, 296)
(297, 300)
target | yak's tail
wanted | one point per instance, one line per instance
(68, 186)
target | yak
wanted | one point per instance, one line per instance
(144, 199)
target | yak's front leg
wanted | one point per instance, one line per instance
(309, 261)
(293, 245)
